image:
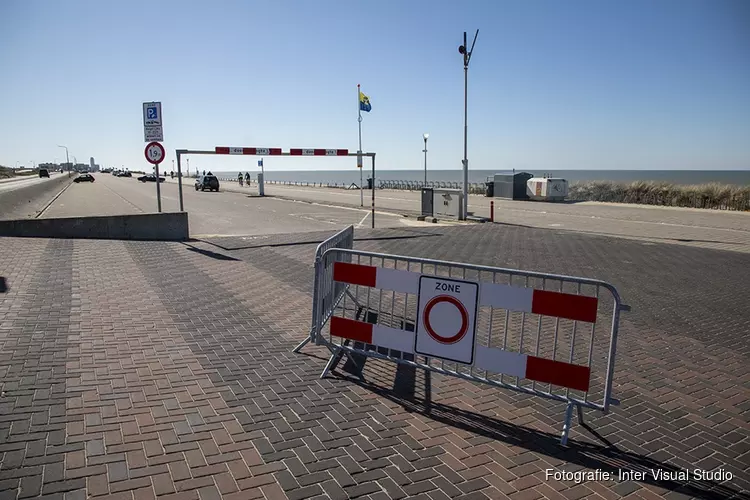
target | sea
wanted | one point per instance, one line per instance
(737, 177)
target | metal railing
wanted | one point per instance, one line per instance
(325, 295)
(504, 330)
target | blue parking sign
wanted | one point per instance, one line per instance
(152, 114)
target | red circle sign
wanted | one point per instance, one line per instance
(154, 153)
(461, 309)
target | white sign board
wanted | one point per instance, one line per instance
(446, 319)
(152, 122)
(151, 134)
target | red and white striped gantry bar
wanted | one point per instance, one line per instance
(225, 150)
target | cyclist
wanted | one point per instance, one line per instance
(239, 178)
(247, 178)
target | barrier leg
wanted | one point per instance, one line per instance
(334, 355)
(302, 344)
(579, 410)
(566, 424)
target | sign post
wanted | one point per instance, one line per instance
(361, 181)
(155, 155)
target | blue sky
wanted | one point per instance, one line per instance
(552, 85)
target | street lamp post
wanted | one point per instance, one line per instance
(187, 160)
(67, 159)
(425, 158)
(467, 57)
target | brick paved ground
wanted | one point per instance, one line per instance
(143, 370)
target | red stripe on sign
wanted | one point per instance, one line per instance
(564, 305)
(342, 152)
(274, 151)
(319, 152)
(558, 373)
(248, 151)
(350, 329)
(354, 274)
(295, 152)
(222, 150)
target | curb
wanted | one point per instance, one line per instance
(44, 209)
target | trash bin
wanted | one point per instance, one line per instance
(428, 201)
(369, 183)
(490, 191)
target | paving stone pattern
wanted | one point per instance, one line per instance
(164, 370)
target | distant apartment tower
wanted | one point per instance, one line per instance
(92, 163)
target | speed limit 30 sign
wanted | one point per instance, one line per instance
(446, 319)
(154, 153)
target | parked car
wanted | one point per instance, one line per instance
(43, 172)
(210, 182)
(150, 178)
(125, 174)
(84, 178)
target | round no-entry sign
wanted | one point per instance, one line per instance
(442, 337)
(154, 153)
(446, 319)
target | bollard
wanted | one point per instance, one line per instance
(492, 211)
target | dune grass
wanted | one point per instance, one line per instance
(713, 196)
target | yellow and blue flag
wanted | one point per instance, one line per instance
(364, 103)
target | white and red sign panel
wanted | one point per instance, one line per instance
(154, 153)
(446, 319)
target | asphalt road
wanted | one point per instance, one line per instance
(17, 183)
(25, 197)
(211, 213)
(695, 227)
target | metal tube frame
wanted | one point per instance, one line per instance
(181, 152)
(321, 317)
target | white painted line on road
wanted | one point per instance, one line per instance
(344, 208)
(314, 220)
(343, 194)
(364, 219)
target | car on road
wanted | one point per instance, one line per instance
(43, 172)
(210, 182)
(84, 178)
(125, 174)
(150, 178)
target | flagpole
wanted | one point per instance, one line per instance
(359, 157)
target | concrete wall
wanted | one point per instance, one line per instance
(171, 226)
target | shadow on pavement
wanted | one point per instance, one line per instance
(311, 241)
(589, 455)
(3, 284)
(209, 253)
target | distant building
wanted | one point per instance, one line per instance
(49, 166)
(91, 163)
(96, 167)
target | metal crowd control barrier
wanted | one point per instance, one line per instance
(329, 297)
(535, 333)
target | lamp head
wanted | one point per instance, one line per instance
(426, 136)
